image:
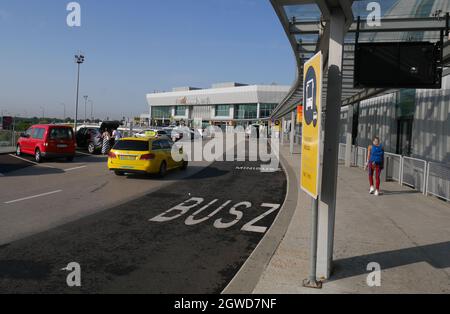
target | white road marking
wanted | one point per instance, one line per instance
(75, 168)
(85, 154)
(91, 155)
(32, 162)
(46, 166)
(32, 197)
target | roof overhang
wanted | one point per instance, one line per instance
(310, 34)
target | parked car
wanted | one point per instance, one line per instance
(144, 156)
(90, 138)
(47, 141)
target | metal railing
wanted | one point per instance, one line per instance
(393, 167)
(438, 180)
(8, 138)
(343, 152)
(361, 157)
(430, 178)
(414, 173)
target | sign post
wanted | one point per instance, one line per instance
(310, 168)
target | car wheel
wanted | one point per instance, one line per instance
(18, 151)
(119, 173)
(91, 148)
(162, 170)
(185, 165)
(38, 156)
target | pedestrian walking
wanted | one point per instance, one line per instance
(106, 147)
(117, 135)
(375, 164)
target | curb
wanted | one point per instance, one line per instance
(251, 272)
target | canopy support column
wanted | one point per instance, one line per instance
(327, 206)
(349, 138)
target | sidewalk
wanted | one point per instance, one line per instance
(407, 233)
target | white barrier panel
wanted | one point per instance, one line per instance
(342, 148)
(414, 173)
(361, 157)
(438, 180)
(393, 167)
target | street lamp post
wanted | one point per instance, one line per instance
(92, 109)
(79, 59)
(43, 113)
(85, 108)
(64, 116)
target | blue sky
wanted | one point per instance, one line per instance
(134, 47)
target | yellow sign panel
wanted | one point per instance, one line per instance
(312, 109)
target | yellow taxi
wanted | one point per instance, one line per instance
(145, 156)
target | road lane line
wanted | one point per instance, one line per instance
(75, 168)
(85, 154)
(32, 162)
(32, 197)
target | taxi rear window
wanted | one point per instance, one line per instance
(138, 146)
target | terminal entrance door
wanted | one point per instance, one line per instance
(404, 143)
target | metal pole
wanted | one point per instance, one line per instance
(292, 131)
(85, 108)
(312, 282)
(76, 107)
(14, 132)
(92, 110)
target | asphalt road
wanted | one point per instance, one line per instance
(35, 198)
(137, 246)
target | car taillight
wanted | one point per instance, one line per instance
(112, 155)
(148, 157)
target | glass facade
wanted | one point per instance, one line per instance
(161, 112)
(180, 110)
(223, 110)
(266, 110)
(246, 112)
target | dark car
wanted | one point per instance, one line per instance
(90, 138)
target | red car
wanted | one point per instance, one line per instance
(47, 141)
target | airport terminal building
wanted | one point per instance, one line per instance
(224, 104)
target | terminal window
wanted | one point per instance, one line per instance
(180, 110)
(266, 110)
(246, 112)
(161, 112)
(223, 111)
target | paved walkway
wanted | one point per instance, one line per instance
(407, 233)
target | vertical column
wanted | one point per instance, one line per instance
(327, 208)
(282, 131)
(258, 115)
(349, 138)
(293, 114)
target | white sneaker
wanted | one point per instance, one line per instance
(377, 193)
(372, 190)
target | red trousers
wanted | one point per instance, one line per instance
(377, 170)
